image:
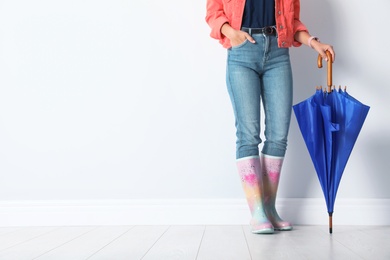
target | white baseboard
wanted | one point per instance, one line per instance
(186, 212)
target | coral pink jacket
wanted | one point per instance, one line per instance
(231, 11)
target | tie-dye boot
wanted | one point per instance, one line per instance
(249, 170)
(271, 167)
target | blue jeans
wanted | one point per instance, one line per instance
(260, 73)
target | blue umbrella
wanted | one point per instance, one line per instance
(330, 123)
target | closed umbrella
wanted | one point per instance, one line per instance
(330, 123)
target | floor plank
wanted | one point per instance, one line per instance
(178, 242)
(363, 242)
(35, 247)
(376, 232)
(316, 241)
(87, 244)
(8, 230)
(22, 235)
(223, 242)
(271, 246)
(131, 245)
(193, 242)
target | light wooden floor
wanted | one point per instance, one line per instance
(192, 242)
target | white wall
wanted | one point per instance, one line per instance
(122, 100)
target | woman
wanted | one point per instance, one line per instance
(257, 35)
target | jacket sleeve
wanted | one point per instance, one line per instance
(298, 25)
(215, 18)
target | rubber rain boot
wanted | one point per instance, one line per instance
(249, 171)
(271, 168)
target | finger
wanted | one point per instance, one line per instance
(250, 38)
(323, 55)
(333, 53)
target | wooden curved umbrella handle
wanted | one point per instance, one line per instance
(319, 62)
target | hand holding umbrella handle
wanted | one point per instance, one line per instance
(329, 55)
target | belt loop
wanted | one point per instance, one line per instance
(250, 31)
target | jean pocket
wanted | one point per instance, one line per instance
(240, 45)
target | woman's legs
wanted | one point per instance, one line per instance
(260, 72)
(244, 85)
(254, 72)
(276, 94)
(277, 102)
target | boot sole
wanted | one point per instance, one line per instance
(263, 231)
(283, 229)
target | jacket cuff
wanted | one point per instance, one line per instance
(298, 27)
(216, 28)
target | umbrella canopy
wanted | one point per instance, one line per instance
(330, 123)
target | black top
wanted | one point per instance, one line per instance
(259, 13)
